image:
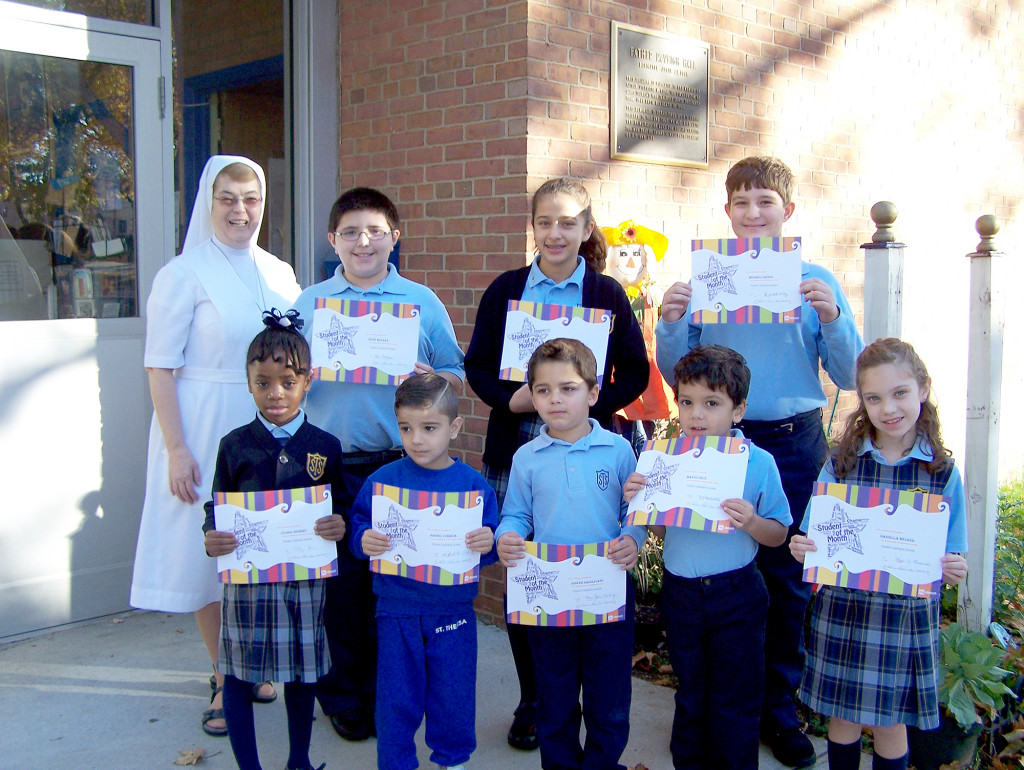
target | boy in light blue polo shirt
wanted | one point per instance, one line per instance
(783, 415)
(565, 488)
(713, 598)
(363, 228)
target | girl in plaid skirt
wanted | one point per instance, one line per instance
(274, 631)
(873, 657)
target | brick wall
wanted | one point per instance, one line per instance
(460, 108)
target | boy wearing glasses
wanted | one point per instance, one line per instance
(363, 229)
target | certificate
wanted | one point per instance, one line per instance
(428, 534)
(877, 539)
(374, 343)
(275, 535)
(745, 280)
(566, 585)
(528, 324)
(687, 480)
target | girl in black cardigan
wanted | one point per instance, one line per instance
(567, 270)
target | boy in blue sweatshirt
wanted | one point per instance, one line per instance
(427, 632)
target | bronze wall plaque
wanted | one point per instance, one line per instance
(659, 97)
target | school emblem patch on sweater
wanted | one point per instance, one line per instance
(603, 478)
(315, 464)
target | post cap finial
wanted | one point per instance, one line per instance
(987, 226)
(884, 214)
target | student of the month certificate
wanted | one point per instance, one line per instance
(375, 343)
(566, 585)
(745, 280)
(687, 480)
(275, 535)
(877, 539)
(428, 534)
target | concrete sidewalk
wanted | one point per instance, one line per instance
(126, 693)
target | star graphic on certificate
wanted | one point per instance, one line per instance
(659, 478)
(536, 582)
(718, 278)
(529, 338)
(249, 535)
(339, 337)
(399, 530)
(842, 532)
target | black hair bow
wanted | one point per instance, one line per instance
(275, 319)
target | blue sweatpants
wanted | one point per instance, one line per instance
(599, 661)
(427, 668)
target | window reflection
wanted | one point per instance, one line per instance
(67, 189)
(134, 11)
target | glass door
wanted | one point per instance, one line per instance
(85, 159)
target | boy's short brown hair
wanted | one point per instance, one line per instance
(763, 172)
(718, 367)
(568, 351)
(363, 199)
(425, 391)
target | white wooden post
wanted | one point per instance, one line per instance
(883, 276)
(980, 462)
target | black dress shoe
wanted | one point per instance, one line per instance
(523, 733)
(351, 725)
(791, 747)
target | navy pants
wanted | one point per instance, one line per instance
(428, 669)
(599, 661)
(715, 638)
(799, 448)
(350, 609)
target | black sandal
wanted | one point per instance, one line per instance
(257, 698)
(210, 714)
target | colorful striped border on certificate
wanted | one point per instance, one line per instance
(265, 501)
(682, 516)
(733, 247)
(877, 580)
(545, 312)
(354, 308)
(557, 553)
(419, 500)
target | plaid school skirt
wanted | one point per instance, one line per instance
(274, 632)
(873, 658)
(529, 429)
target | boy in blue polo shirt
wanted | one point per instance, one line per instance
(783, 416)
(565, 488)
(363, 228)
(713, 598)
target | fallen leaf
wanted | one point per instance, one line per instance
(641, 767)
(663, 681)
(190, 756)
(666, 669)
(178, 631)
(117, 620)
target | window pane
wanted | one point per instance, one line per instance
(134, 11)
(67, 189)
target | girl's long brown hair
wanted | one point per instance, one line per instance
(890, 350)
(594, 250)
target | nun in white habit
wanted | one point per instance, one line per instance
(205, 307)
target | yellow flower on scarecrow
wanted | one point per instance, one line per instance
(628, 263)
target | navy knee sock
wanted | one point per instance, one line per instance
(298, 702)
(844, 756)
(241, 730)
(881, 763)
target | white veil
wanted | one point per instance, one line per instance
(200, 227)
